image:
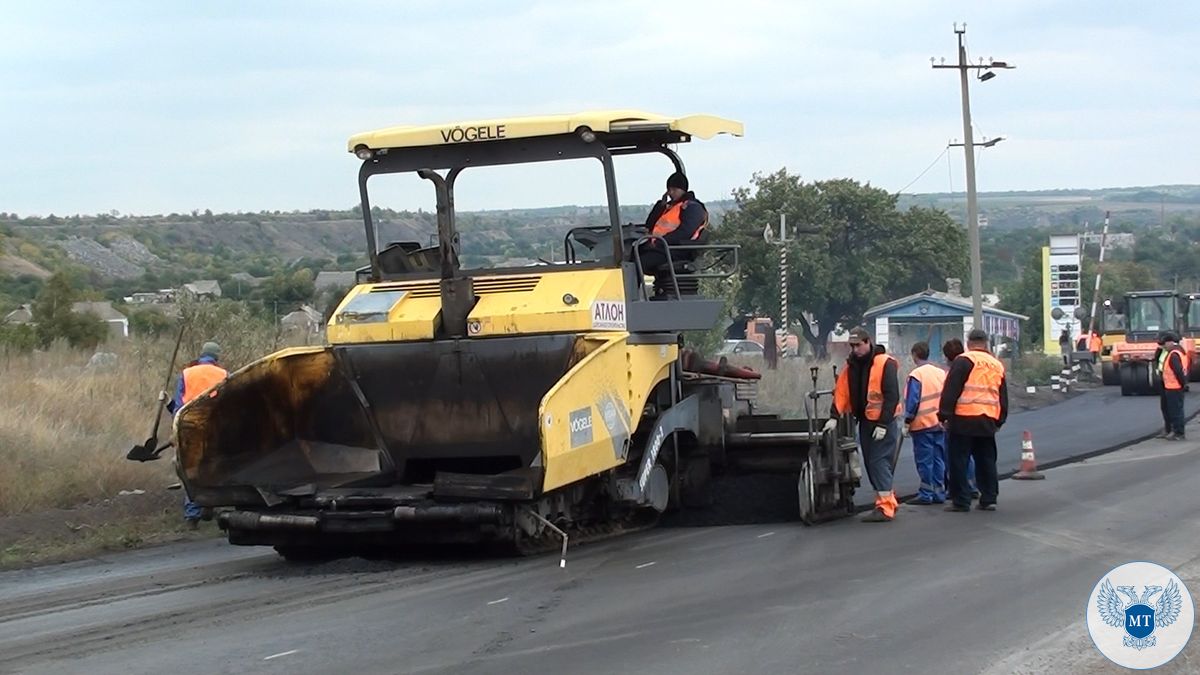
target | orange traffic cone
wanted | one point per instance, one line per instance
(1028, 470)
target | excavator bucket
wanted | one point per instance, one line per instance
(368, 415)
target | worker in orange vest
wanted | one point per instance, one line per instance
(869, 389)
(922, 393)
(1095, 345)
(1174, 381)
(974, 406)
(196, 378)
(679, 218)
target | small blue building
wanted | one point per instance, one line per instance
(934, 317)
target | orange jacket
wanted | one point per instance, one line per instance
(673, 216)
(932, 379)
(1170, 378)
(199, 378)
(873, 410)
(981, 393)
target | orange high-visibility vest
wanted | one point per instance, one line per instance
(981, 393)
(874, 408)
(1170, 382)
(199, 378)
(1097, 343)
(670, 220)
(932, 380)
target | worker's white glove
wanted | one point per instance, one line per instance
(162, 396)
(904, 431)
(830, 425)
(879, 433)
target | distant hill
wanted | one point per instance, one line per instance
(122, 254)
(1134, 206)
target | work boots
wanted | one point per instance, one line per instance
(877, 516)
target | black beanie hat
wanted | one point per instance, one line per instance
(677, 180)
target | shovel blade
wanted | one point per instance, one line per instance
(145, 452)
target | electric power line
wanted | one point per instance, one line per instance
(920, 175)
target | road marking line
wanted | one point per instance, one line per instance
(275, 656)
(765, 535)
(496, 602)
(644, 565)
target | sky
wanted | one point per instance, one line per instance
(160, 107)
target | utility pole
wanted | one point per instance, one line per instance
(1099, 271)
(969, 145)
(783, 270)
(769, 237)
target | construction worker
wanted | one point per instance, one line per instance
(951, 350)
(869, 389)
(679, 218)
(1064, 346)
(1174, 380)
(974, 406)
(922, 392)
(196, 378)
(1095, 344)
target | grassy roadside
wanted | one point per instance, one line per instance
(66, 423)
(122, 523)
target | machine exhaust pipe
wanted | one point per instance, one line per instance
(244, 520)
(457, 513)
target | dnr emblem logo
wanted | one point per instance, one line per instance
(1140, 628)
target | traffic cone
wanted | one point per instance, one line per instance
(1028, 470)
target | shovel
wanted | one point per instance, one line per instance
(150, 449)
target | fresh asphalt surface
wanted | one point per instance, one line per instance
(1094, 420)
(932, 592)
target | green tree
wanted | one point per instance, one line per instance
(855, 249)
(1024, 296)
(287, 290)
(56, 320)
(150, 323)
(20, 337)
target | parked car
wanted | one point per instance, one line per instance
(740, 348)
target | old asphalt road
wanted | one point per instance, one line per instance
(996, 591)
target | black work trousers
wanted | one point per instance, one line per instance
(652, 258)
(962, 449)
(1171, 402)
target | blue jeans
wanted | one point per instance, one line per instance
(191, 510)
(879, 456)
(929, 451)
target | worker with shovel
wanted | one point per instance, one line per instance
(869, 389)
(197, 377)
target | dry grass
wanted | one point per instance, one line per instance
(785, 389)
(65, 428)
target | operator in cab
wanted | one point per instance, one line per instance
(679, 218)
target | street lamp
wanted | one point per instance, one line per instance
(987, 142)
(972, 207)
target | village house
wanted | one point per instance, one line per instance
(118, 323)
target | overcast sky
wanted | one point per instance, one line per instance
(157, 107)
